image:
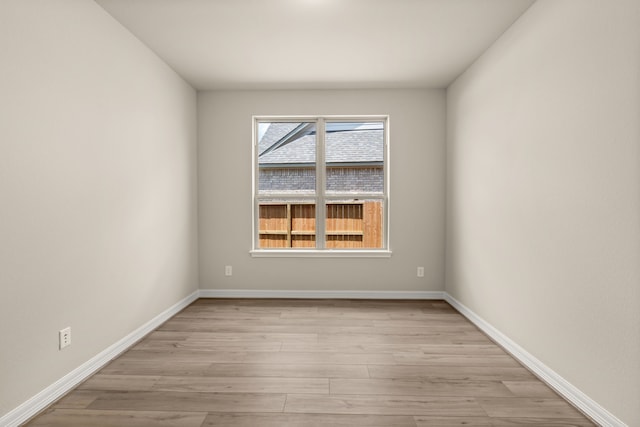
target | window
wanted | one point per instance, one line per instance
(320, 185)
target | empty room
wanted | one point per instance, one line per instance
(378, 213)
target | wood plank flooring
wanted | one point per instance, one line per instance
(285, 363)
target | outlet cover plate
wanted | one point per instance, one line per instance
(64, 337)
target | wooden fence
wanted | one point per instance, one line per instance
(349, 225)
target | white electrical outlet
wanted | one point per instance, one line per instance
(420, 271)
(64, 336)
(228, 270)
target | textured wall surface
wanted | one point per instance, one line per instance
(97, 189)
(338, 179)
(416, 120)
(543, 191)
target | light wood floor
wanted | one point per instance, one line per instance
(273, 363)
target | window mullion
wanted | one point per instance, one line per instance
(320, 184)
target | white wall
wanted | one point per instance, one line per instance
(543, 190)
(97, 189)
(417, 125)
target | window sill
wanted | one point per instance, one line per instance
(325, 253)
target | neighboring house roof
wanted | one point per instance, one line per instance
(293, 144)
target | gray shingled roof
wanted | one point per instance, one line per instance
(346, 146)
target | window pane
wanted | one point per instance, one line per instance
(287, 224)
(286, 157)
(354, 154)
(273, 226)
(303, 225)
(354, 224)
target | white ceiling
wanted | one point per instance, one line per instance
(317, 44)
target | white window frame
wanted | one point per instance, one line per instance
(320, 198)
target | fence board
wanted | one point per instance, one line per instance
(373, 225)
(348, 225)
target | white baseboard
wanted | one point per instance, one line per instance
(56, 390)
(580, 400)
(250, 293)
